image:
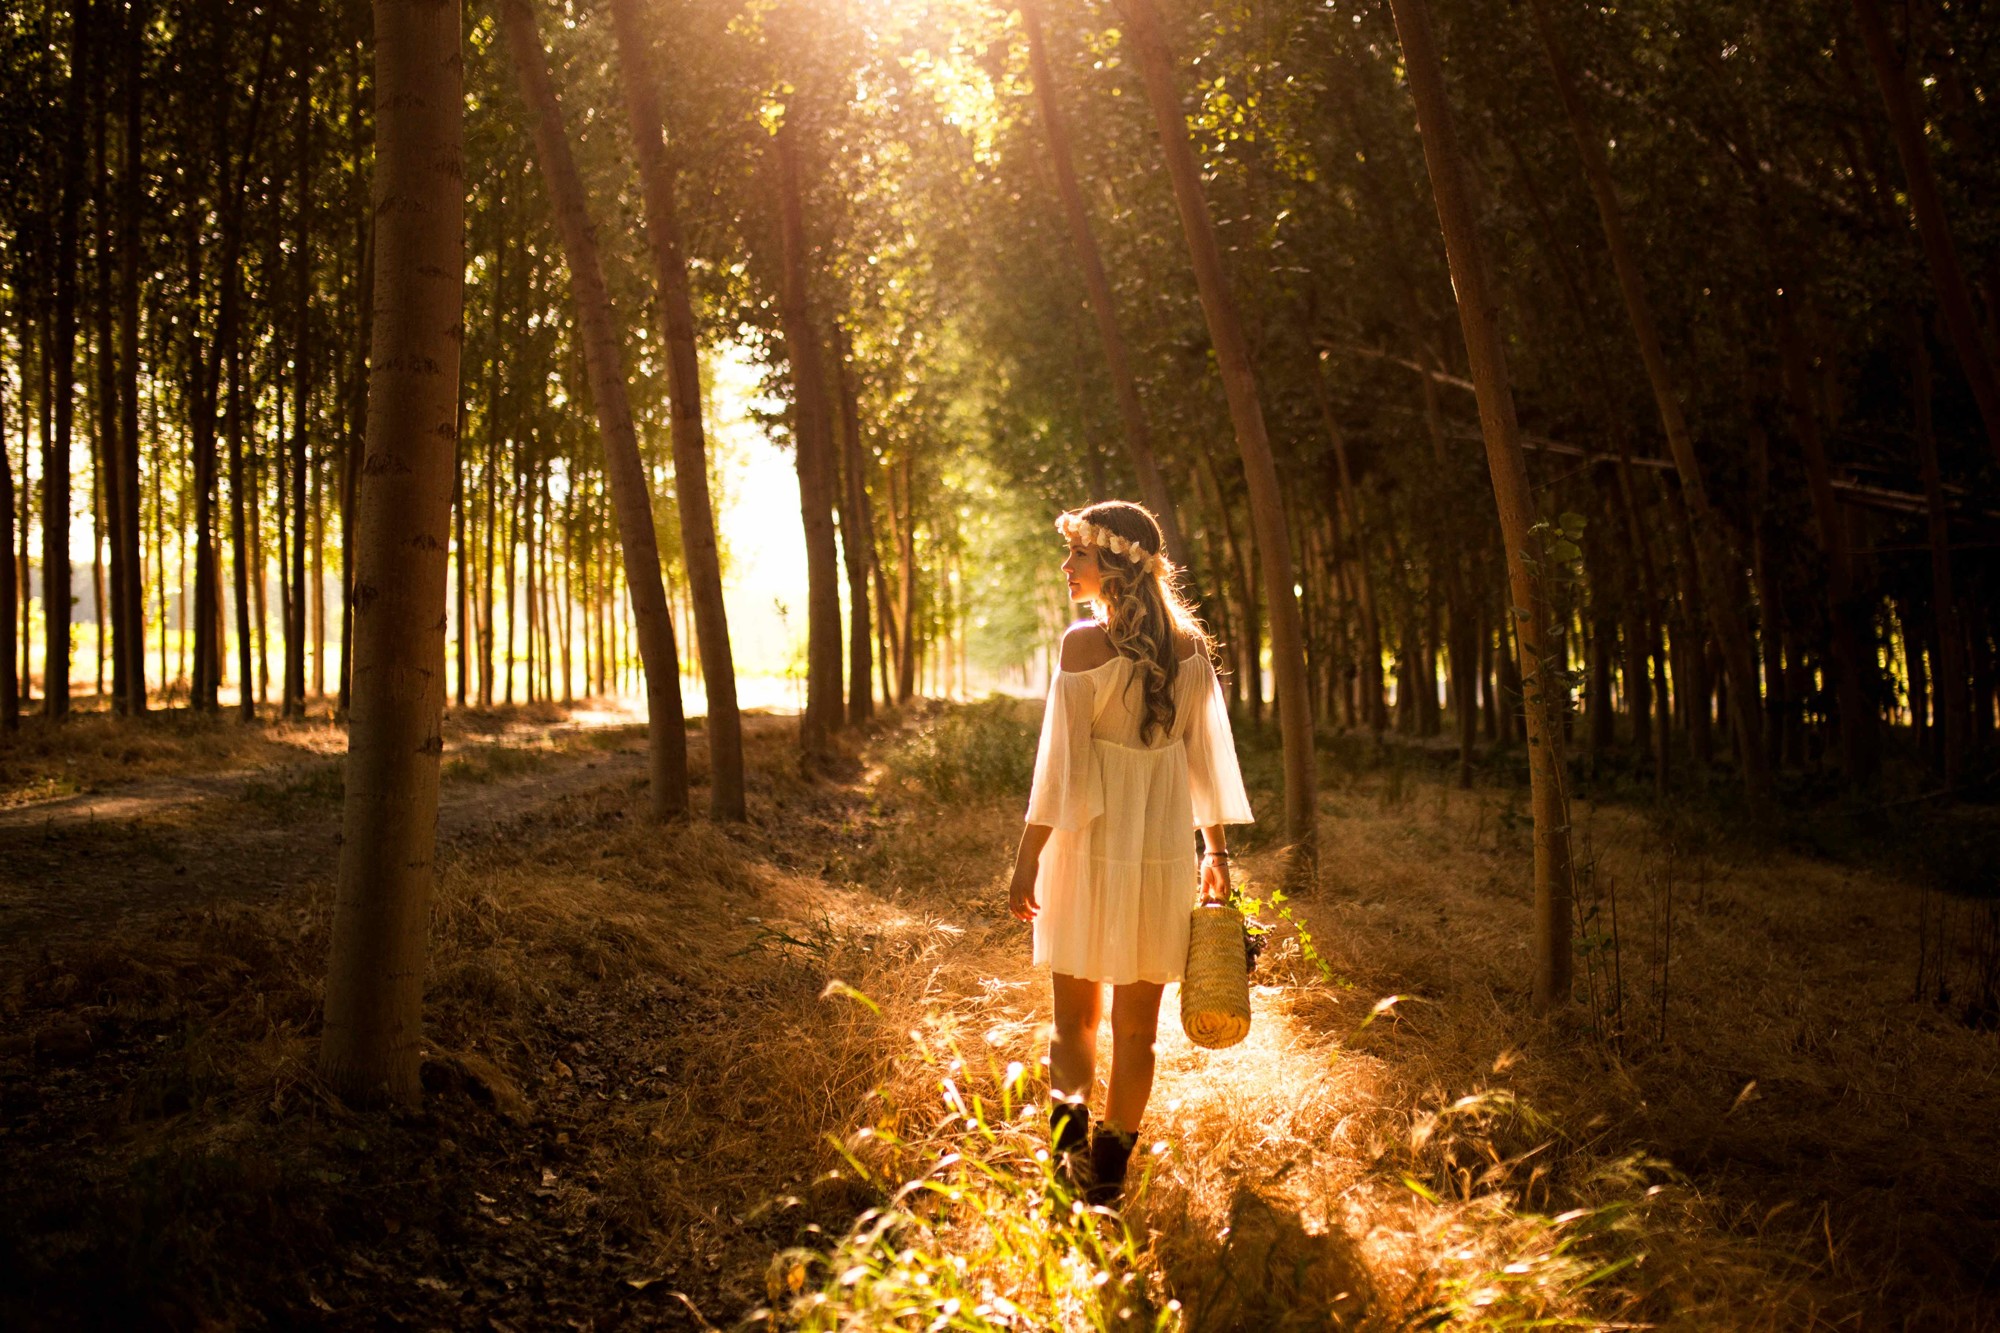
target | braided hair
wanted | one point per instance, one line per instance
(1141, 604)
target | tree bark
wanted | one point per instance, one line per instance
(62, 350)
(1479, 318)
(128, 595)
(906, 585)
(1373, 702)
(690, 442)
(604, 364)
(1952, 705)
(1720, 574)
(1239, 381)
(304, 364)
(239, 535)
(857, 533)
(10, 680)
(812, 434)
(374, 992)
(1933, 229)
(1125, 386)
(1850, 661)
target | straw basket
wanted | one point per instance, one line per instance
(1215, 992)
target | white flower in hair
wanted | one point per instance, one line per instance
(1083, 531)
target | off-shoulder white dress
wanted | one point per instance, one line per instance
(1118, 877)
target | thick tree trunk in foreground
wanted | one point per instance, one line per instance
(1478, 316)
(690, 442)
(1239, 381)
(1954, 296)
(1138, 432)
(812, 438)
(604, 362)
(374, 988)
(1721, 581)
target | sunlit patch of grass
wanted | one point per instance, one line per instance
(92, 751)
(974, 1228)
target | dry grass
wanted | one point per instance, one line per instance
(653, 1090)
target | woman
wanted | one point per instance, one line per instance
(1135, 754)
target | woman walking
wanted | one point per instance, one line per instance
(1135, 754)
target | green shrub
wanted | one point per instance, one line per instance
(968, 750)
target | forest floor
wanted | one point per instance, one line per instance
(670, 1072)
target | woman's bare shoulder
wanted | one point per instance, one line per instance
(1086, 646)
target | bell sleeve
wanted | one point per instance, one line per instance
(1214, 778)
(1063, 795)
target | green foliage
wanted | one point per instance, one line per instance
(975, 1230)
(968, 750)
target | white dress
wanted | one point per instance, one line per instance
(1118, 877)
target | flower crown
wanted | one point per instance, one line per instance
(1082, 531)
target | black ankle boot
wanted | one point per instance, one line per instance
(1110, 1155)
(1069, 1140)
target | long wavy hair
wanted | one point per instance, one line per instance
(1141, 610)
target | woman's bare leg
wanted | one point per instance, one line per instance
(1135, 1021)
(1079, 1005)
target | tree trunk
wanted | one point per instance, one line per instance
(1954, 296)
(374, 990)
(10, 680)
(906, 587)
(1719, 574)
(1373, 703)
(304, 365)
(857, 533)
(62, 350)
(1239, 381)
(1479, 318)
(459, 600)
(1138, 432)
(128, 593)
(604, 363)
(690, 442)
(1850, 661)
(1952, 705)
(239, 536)
(812, 435)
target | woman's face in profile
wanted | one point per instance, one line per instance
(1080, 569)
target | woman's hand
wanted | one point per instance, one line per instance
(1021, 892)
(1214, 880)
(1027, 861)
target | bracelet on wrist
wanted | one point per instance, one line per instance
(1219, 856)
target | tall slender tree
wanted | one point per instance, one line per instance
(1138, 434)
(62, 353)
(1722, 590)
(812, 439)
(1479, 319)
(604, 364)
(1246, 412)
(1933, 227)
(690, 441)
(375, 976)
